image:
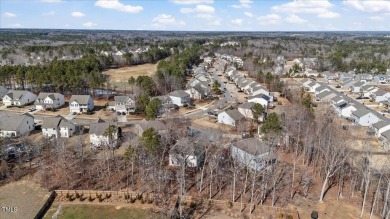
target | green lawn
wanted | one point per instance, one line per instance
(97, 212)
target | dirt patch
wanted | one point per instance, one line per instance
(24, 195)
(123, 74)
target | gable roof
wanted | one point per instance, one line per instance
(235, 114)
(337, 98)
(386, 134)
(81, 99)
(190, 147)
(122, 99)
(3, 91)
(54, 122)
(12, 123)
(325, 94)
(380, 92)
(179, 93)
(16, 94)
(156, 124)
(360, 112)
(246, 105)
(99, 128)
(381, 124)
(321, 87)
(312, 84)
(252, 146)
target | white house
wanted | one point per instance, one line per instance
(329, 77)
(16, 126)
(19, 98)
(81, 103)
(364, 78)
(380, 127)
(312, 86)
(246, 110)
(380, 95)
(364, 117)
(186, 152)
(356, 87)
(199, 91)
(368, 90)
(251, 152)
(230, 117)
(345, 77)
(49, 101)
(180, 97)
(321, 89)
(347, 110)
(123, 104)
(261, 99)
(336, 99)
(311, 73)
(260, 90)
(100, 137)
(57, 127)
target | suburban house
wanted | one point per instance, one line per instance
(345, 77)
(382, 79)
(230, 117)
(380, 95)
(329, 77)
(186, 152)
(180, 97)
(49, 101)
(325, 96)
(311, 73)
(157, 125)
(57, 127)
(199, 92)
(336, 99)
(384, 140)
(123, 104)
(81, 103)
(261, 99)
(3, 91)
(356, 87)
(100, 137)
(364, 78)
(368, 90)
(364, 117)
(246, 110)
(19, 98)
(251, 152)
(380, 127)
(312, 86)
(348, 83)
(321, 89)
(346, 110)
(16, 126)
(305, 82)
(260, 90)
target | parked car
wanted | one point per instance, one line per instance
(32, 109)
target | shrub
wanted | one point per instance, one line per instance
(90, 199)
(77, 195)
(230, 204)
(280, 215)
(108, 195)
(138, 197)
(290, 217)
(193, 205)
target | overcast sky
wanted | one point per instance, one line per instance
(198, 15)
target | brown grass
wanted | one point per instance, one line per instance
(123, 74)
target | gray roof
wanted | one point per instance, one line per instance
(3, 91)
(325, 94)
(200, 89)
(16, 94)
(304, 80)
(341, 104)
(179, 93)
(188, 147)
(122, 99)
(358, 84)
(156, 124)
(320, 88)
(386, 134)
(337, 99)
(311, 84)
(81, 99)
(360, 112)
(234, 114)
(246, 105)
(252, 146)
(99, 128)
(381, 124)
(380, 92)
(54, 122)
(12, 123)
(52, 96)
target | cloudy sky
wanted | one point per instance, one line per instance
(198, 15)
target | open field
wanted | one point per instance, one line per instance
(123, 74)
(81, 211)
(26, 196)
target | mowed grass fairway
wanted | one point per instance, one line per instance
(123, 74)
(80, 211)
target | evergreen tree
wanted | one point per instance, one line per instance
(151, 111)
(257, 111)
(272, 124)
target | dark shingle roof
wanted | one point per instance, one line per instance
(360, 112)
(380, 124)
(81, 99)
(234, 114)
(246, 105)
(178, 93)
